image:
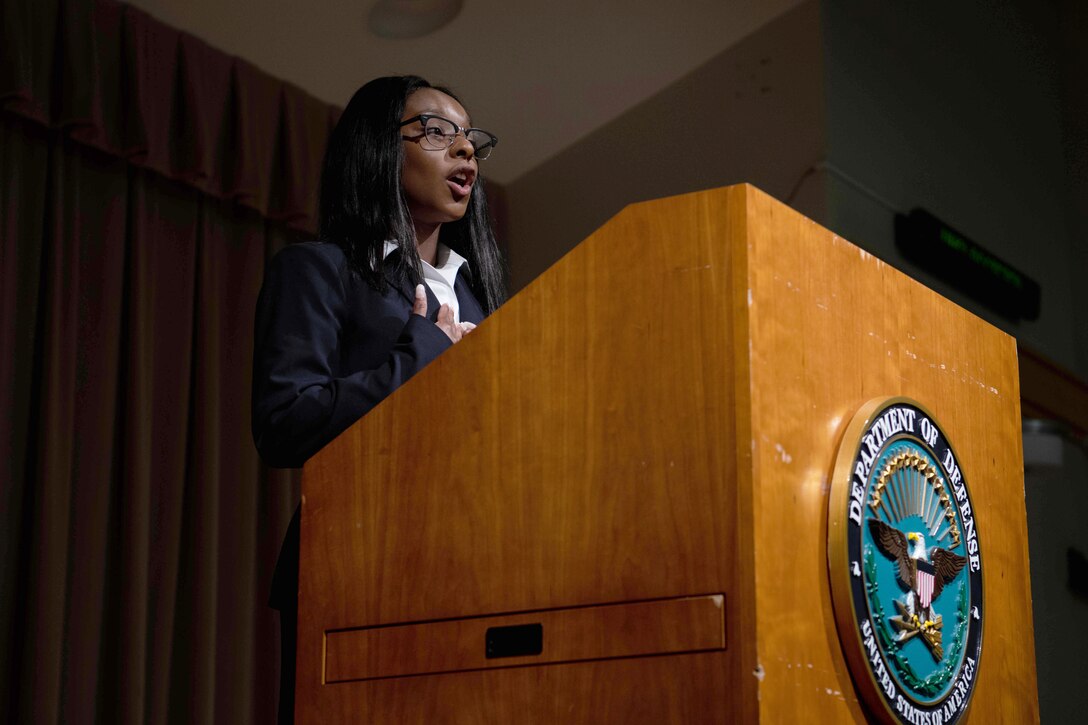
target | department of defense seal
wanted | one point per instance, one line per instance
(905, 565)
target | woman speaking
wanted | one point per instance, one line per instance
(406, 265)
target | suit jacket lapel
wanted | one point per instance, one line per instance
(407, 289)
(470, 308)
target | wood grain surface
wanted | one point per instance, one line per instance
(655, 418)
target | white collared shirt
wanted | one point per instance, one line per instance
(440, 276)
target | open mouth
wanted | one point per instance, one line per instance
(461, 181)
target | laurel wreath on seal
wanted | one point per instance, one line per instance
(937, 679)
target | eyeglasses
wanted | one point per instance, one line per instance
(440, 133)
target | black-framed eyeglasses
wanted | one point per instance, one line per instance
(439, 134)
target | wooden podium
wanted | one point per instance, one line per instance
(617, 487)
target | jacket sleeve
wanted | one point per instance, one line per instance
(300, 399)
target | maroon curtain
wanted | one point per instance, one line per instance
(146, 179)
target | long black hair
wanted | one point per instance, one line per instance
(363, 204)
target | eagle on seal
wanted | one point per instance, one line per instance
(923, 573)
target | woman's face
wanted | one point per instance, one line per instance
(437, 183)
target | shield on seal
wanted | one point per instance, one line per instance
(924, 583)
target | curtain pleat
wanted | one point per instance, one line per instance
(140, 527)
(236, 254)
(147, 179)
(75, 92)
(29, 41)
(51, 507)
(253, 138)
(303, 130)
(159, 341)
(24, 161)
(113, 77)
(98, 186)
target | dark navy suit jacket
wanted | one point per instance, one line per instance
(328, 347)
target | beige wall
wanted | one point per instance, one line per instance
(752, 114)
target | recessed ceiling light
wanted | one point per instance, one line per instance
(411, 18)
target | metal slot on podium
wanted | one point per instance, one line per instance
(575, 634)
(519, 640)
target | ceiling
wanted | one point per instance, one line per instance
(540, 75)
